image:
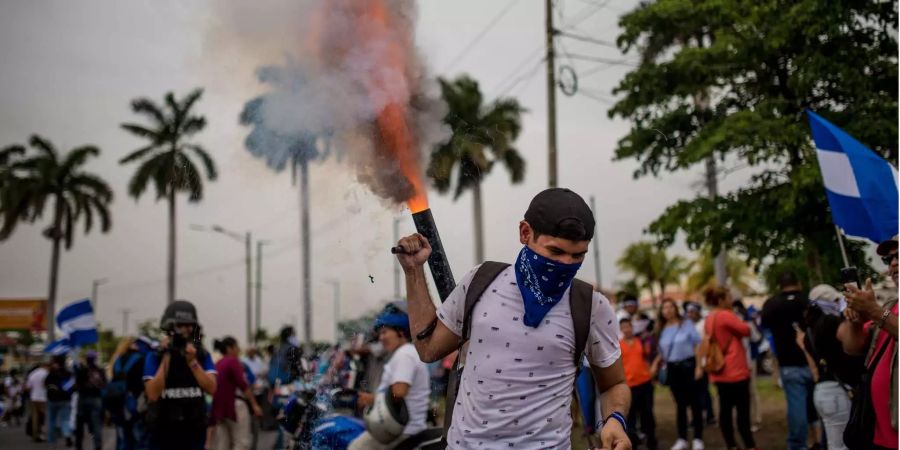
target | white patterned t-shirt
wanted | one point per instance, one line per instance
(516, 387)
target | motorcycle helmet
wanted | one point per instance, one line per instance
(386, 418)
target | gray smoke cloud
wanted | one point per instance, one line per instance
(344, 62)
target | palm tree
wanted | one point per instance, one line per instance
(739, 273)
(278, 149)
(651, 267)
(483, 135)
(166, 158)
(48, 177)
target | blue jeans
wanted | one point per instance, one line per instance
(90, 413)
(58, 415)
(798, 384)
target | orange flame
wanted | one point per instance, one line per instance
(397, 140)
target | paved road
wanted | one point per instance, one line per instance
(14, 438)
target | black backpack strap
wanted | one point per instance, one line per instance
(581, 298)
(483, 278)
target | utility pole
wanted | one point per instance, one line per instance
(396, 263)
(551, 95)
(304, 249)
(596, 244)
(95, 287)
(248, 259)
(258, 315)
(336, 286)
(125, 313)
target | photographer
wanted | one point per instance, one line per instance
(175, 380)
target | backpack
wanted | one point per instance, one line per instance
(711, 353)
(116, 393)
(581, 297)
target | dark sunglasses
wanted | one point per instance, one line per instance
(888, 259)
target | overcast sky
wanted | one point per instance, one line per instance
(70, 69)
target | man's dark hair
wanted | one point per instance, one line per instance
(624, 320)
(788, 279)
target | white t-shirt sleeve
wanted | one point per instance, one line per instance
(603, 340)
(451, 312)
(404, 368)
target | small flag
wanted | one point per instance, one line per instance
(58, 347)
(861, 186)
(77, 322)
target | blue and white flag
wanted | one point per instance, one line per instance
(77, 322)
(58, 347)
(861, 186)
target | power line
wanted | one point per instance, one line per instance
(480, 35)
(600, 59)
(520, 66)
(589, 39)
(525, 77)
(587, 13)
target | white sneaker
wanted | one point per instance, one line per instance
(680, 444)
(697, 445)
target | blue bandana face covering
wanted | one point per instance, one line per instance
(542, 282)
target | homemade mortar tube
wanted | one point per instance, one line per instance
(437, 262)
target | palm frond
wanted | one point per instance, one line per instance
(139, 130)
(193, 124)
(95, 184)
(138, 154)
(43, 145)
(9, 152)
(189, 178)
(190, 99)
(514, 164)
(206, 159)
(156, 166)
(102, 211)
(150, 109)
(77, 157)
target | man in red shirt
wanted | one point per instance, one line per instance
(639, 379)
(869, 320)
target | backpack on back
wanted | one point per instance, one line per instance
(580, 302)
(116, 392)
(711, 352)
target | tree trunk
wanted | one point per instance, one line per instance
(304, 250)
(479, 223)
(170, 276)
(56, 236)
(652, 295)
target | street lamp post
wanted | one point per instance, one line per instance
(258, 315)
(247, 239)
(95, 287)
(336, 285)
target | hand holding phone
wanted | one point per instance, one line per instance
(850, 275)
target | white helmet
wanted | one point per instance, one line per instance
(386, 418)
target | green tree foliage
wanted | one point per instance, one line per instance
(41, 178)
(483, 135)
(651, 268)
(166, 159)
(732, 80)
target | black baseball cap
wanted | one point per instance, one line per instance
(561, 213)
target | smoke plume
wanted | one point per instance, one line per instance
(352, 78)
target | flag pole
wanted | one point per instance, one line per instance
(840, 237)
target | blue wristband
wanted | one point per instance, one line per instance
(619, 418)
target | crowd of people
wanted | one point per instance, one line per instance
(503, 353)
(835, 353)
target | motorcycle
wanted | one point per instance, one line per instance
(318, 421)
